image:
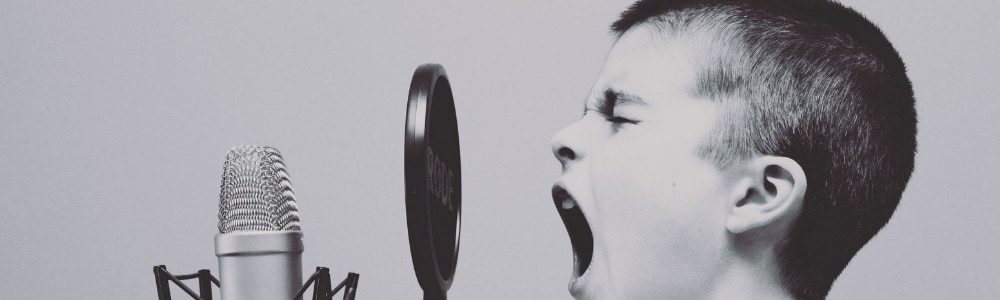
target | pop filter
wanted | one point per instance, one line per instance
(433, 180)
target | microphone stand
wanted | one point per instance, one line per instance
(163, 279)
(321, 285)
(320, 281)
(434, 296)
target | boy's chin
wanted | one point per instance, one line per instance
(592, 284)
(586, 287)
(597, 284)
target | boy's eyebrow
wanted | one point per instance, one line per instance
(618, 97)
(605, 104)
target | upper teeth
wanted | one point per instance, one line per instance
(568, 203)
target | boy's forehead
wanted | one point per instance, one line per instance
(648, 64)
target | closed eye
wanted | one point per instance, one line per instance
(620, 120)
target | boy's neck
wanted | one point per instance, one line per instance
(750, 279)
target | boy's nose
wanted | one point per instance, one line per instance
(567, 146)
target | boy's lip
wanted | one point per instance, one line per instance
(580, 234)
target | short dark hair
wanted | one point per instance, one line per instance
(810, 80)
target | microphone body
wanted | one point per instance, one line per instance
(259, 264)
(259, 244)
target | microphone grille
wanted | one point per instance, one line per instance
(256, 193)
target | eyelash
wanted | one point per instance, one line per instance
(614, 120)
(620, 120)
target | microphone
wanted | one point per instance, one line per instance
(259, 244)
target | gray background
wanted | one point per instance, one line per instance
(115, 118)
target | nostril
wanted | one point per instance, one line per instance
(566, 153)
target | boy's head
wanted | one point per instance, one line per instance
(726, 136)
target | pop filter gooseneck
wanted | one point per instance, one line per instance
(433, 180)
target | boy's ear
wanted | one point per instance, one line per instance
(769, 191)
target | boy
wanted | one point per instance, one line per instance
(734, 150)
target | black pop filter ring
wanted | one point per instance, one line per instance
(433, 180)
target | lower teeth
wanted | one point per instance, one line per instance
(567, 204)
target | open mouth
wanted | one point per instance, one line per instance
(580, 236)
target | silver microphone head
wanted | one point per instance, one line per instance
(256, 194)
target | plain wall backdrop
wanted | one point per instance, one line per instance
(115, 118)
